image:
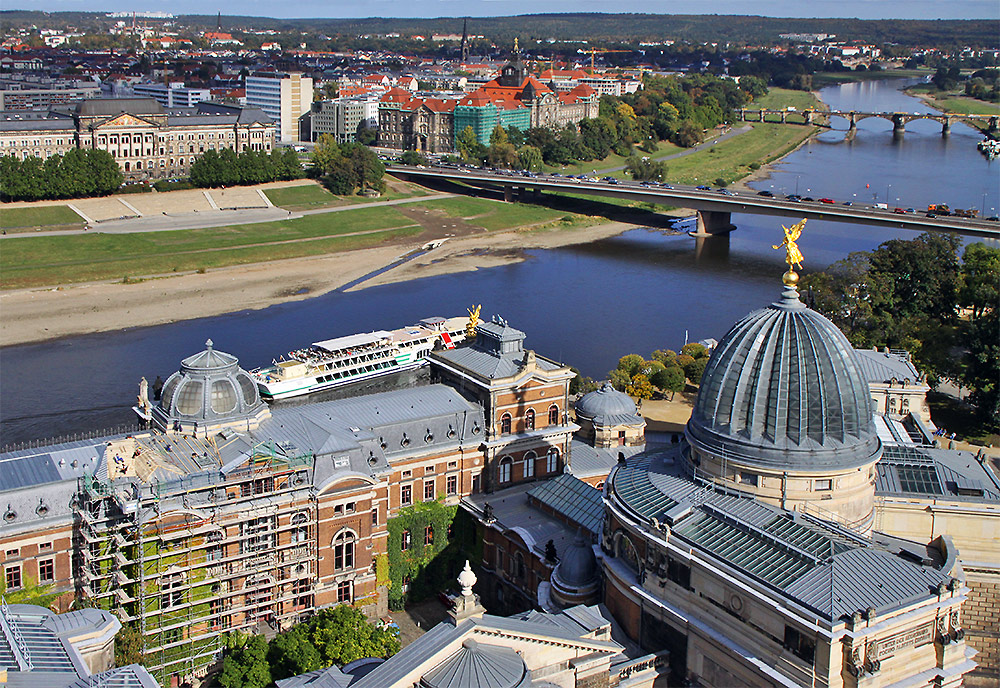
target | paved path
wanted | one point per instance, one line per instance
(215, 218)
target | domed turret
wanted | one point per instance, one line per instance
(784, 412)
(208, 392)
(609, 418)
(576, 578)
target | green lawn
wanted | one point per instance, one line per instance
(778, 98)
(44, 260)
(663, 148)
(42, 216)
(965, 106)
(731, 158)
(493, 215)
(305, 197)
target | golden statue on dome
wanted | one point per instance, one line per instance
(793, 256)
(470, 327)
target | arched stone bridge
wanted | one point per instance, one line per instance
(898, 119)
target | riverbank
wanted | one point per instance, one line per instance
(34, 315)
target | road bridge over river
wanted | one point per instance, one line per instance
(714, 207)
(899, 119)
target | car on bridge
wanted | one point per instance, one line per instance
(703, 187)
(826, 200)
(765, 193)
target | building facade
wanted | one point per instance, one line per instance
(148, 141)
(283, 97)
(172, 95)
(342, 117)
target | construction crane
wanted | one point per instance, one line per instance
(595, 51)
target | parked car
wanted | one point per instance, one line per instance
(848, 203)
(703, 187)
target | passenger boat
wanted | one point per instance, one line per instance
(334, 362)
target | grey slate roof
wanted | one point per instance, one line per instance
(115, 106)
(587, 460)
(821, 566)
(932, 472)
(131, 676)
(607, 406)
(882, 366)
(53, 124)
(498, 352)
(574, 499)
(783, 390)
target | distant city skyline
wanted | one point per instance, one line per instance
(862, 9)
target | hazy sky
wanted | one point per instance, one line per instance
(864, 9)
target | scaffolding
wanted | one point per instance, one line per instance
(190, 559)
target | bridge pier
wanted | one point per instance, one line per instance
(898, 124)
(994, 125)
(784, 115)
(946, 126)
(508, 193)
(852, 121)
(713, 223)
(761, 115)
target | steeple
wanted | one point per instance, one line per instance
(465, 40)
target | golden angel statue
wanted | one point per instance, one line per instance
(793, 256)
(470, 327)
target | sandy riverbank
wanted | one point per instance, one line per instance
(33, 315)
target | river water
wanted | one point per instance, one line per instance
(585, 305)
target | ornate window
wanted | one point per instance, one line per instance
(505, 466)
(344, 592)
(529, 464)
(406, 495)
(529, 419)
(553, 415)
(552, 461)
(625, 550)
(505, 424)
(343, 550)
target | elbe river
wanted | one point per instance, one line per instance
(585, 305)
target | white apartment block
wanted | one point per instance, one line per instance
(342, 116)
(173, 95)
(284, 98)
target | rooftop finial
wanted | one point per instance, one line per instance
(208, 344)
(517, 50)
(793, 256)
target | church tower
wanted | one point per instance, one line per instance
(514, 72)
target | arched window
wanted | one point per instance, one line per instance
(625, 551)
(505, 465)
(529, 464)
(505, 424)
(343, 550)
(520, 566)
(552, 461)
(529, 419)
(553, 415)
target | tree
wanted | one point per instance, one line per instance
(670, 379)
(640, 387)
(292, 653)
(366, 136)
(343, 635)
(412, 157)
(695, 369)
(645, 169)
(695, 350)
(924, 274)
(529, 158)
(688, 134)
(631, 364)
(468, 146)
(128, 646)
(980, 291)
(665, 356)
(245, 663)
(982, 367)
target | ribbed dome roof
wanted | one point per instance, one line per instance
(607, 406)
(783, 389)
(209, 388)
(577, 566)
(477, 666)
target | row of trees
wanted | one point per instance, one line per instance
(229, 168)
(667, 109)
(666, 371)
(917, 295)
(344, 168)
(334, 636)
(76, 174)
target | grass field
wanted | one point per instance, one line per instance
(493, 215)
(963, 105)
(38, 261)
(42, 216)
(305, 197)
(777, 98)
(731, 159)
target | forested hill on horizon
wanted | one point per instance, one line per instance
(596, 27)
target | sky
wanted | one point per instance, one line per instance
(863, 9)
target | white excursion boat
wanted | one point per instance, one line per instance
(341, 361)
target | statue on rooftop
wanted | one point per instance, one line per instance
(793, 256)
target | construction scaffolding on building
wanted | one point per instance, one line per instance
(230, 547)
